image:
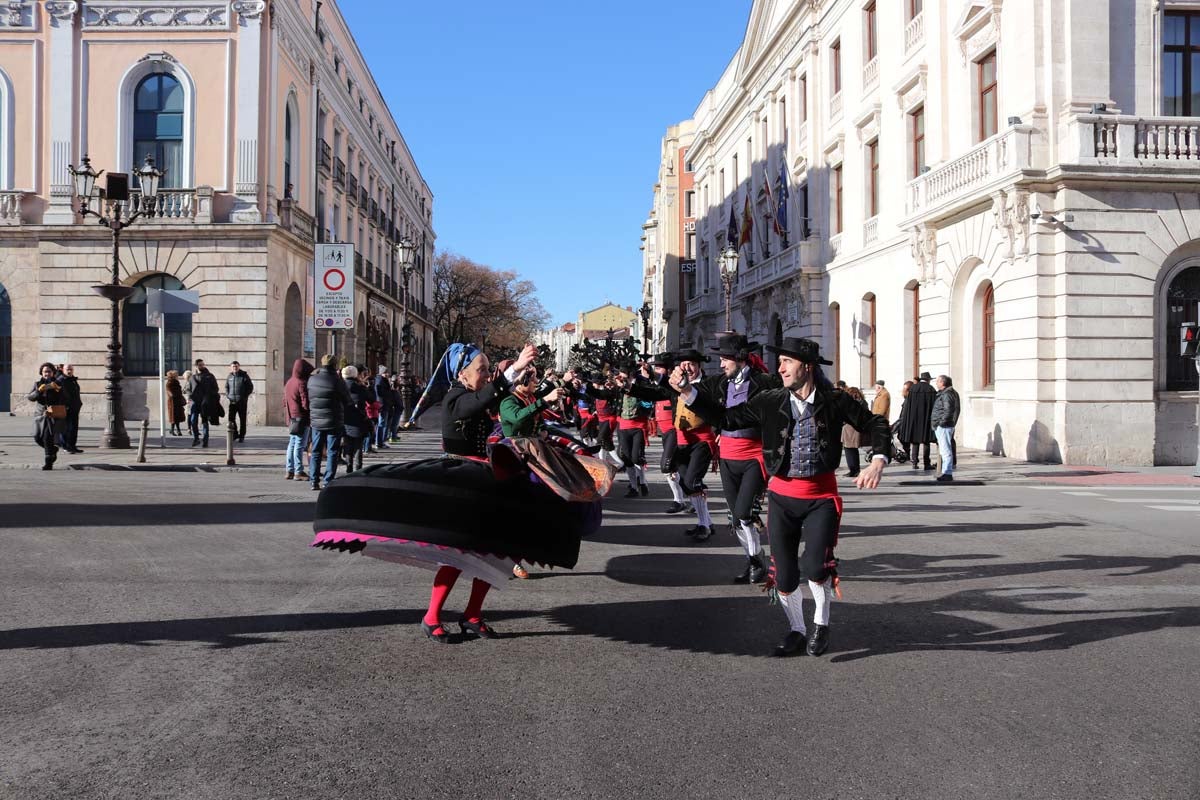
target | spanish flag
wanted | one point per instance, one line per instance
(747, 223)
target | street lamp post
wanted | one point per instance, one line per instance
(115, 437)
(644, 313)
(404, 255)
(729, 268)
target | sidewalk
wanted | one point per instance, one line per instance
(263, 449)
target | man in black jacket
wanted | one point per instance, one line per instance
(943, 419)
(70, 384)
(387, 408)
(914, 419)
(328, 397)
(238, 388)
(801, 427)
(206, 401)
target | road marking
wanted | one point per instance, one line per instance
(1148, 500)
(1085, 494)
(1064, 487)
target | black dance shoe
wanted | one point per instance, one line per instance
(440, 638)
(792, 644)
(480, 629)
(645, 490)
(701, 533)
(945, 477)
(631, 491)
(818, 640)
(675, 508)
(758, 570)
(744, 575)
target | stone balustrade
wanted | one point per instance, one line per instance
(190, 206)
(995, 160)
(914, 34)
(870, 76)
(835, 246)
(1123, 139)
(835, 106)
(778, 267)
(871, 230)
(704, 303)
(11, 205)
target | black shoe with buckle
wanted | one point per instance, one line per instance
(758, 570)
(675, 508)
(480, 629)
(818, 640)
(436, 632)
(744, 575)
(792, 644)
(701, 533)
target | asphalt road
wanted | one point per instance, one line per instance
(172, 635)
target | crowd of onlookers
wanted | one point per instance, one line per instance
(339, 412)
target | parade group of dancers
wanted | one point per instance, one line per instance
(529, 458)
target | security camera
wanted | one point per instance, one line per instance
(1035, 211)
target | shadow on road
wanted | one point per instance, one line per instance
(220, 632)
(911, 568)
(221, 514)
(956, 527)
(676, 569)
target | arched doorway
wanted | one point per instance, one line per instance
(293, 329)
(5, 350)
(140, 345)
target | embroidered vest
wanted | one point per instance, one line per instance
(735, 395)
(806, 446)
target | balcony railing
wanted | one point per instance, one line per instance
(295, 219)
(871, 230)
(803, 137)
(11, 206)
(705, 303)
(339, 173)
(776, 268)
(364, 199)
(835, 246)
(358, 265)
(835, 106)
(914, 34)
(351, 188)
(995, 160)
(175, 205)
(870, 74)
(1161, 141)
(324, 155)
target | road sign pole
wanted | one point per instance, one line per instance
(162, 378)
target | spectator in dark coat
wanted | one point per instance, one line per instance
(915, 428)
(358, 423)
(206, 403)
(944, 418)
(176, 412)
(70, 384)
(48, 393)
(295, 406)
(238, 388)
(387, 407)
(328, 397)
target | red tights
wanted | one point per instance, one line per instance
(443, 582)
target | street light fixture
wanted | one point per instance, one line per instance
(729, 268)
(404, 255)
(115, 437)
(644, 313)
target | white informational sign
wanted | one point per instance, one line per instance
(333, 287)
(158, 303)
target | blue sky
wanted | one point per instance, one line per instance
(537, 124)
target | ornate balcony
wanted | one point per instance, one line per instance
(295, 219)
(799, 256)
(1164, 142)
(871, 230)
(339, 173)
(175, 205)
(914, 34)
(870, 75)
(704, 303)
(324, 156)
(351, 188)
(835, 107)
(998, 160)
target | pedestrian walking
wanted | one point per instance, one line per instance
(387, 407)
(185, 383)
(357, 422)
(70, 433)
(206, 403)
(944, 418)
(176, 411)
(328, 397)
(851, 438)
(805, 508)
(50, 412)
(295, 407)
(915, 428)
(238, 388)
(882, 404)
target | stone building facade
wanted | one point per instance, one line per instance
(273, 136)
(669, 240)
(1000, 190)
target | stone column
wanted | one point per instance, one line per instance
(61, 17)
(249, 47)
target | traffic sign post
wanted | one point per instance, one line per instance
(158, 303)
(333, 288)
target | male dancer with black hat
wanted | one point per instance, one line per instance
(743, 476)
(801, 448)
(664, 418)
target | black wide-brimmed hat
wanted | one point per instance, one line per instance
(805, 350)
(663, 360)
(925, 376)
(690, 354)
(732, 345)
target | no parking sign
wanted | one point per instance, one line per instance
(333, 287)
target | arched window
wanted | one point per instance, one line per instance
(987, 336)
(158, 104)
(1183, 305)
(141, 341)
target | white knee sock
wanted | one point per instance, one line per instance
(641, 475)
(741, 536)
(614, 459)
(822, 596)
(793, 606)
(676, 490)
(750, 539)
(700, 503)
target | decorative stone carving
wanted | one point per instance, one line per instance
(867, 123)
(910, 90)
(923, 244)
(61, 11)
(978, 27)
(1011, 213)
(125, 15)
(17, 14)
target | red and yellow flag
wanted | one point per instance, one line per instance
(747, 223)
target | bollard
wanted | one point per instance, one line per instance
(141, 456)
(230, 435)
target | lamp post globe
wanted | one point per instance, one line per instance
(729, 267)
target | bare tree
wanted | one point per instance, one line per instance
(474, 302)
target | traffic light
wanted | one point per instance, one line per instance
(1189, 338)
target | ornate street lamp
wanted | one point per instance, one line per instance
(729, 268)
(115, 436)
(404, 256)
(644, 313)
